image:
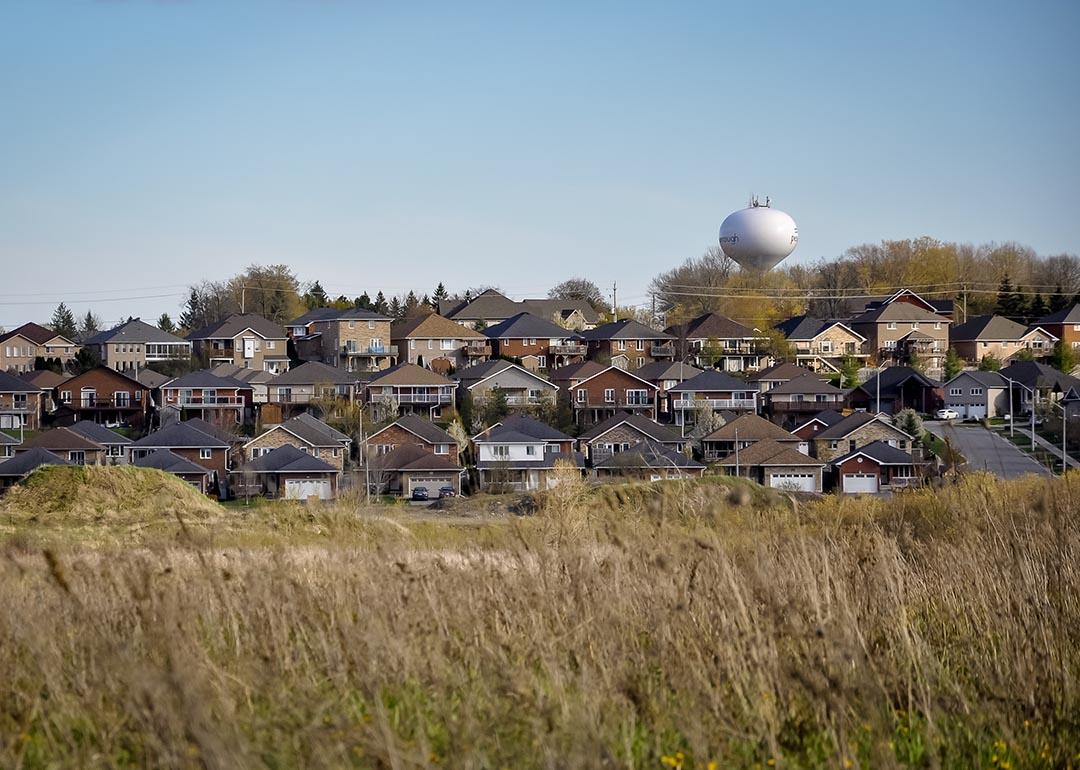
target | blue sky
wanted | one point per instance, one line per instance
(146, 145)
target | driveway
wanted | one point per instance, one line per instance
(985, 450)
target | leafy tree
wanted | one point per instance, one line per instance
(915, 359)
(207, 303)
(271, 291)
(480, 325)
(63, 322)
(380, 304)
(775, 344)
(580, 289)
(953, 364)
(989, 363)
(1062, 358)
(440, 295)
(706, 421)
(849, 371)
(1024, 354)
(1038, 308)
(1010, 303)
(165, 324)
(494, 408)
(909, 421)
(711, 352)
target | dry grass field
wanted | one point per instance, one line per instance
(707, 624)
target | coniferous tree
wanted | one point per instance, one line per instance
(1038, 308)
(440, 295)
(166, 324)
(849, 372)
(380, 304)
(193, 316)
(63, 322)
(89, 326)
(1062, 357)
(425, 304)
(953, 364)
(395, 308)
(410, 305)
(1010, 303)
(1058, 300)
(363, 302)
(315, 296)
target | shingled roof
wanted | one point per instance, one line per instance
(180, 435)
(408, 374)
(432, 326)
(526, 325)
(288, 459)
(170, 462)
(136, 331)
(807, 383)
(36, 333)
(648, 455)
(712, 325)
(711, 380)
(640, 423)
(410, 457)
(880, 452)
(750, 427)
(27, 462)
(768, 452)
(314, 373)
(419, 427)
(626, 329)
(9, 383)
(236, 324)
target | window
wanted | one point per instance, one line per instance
(447, 344)
(65, 396)
(370, 324)
(500, 451)
(641, 344)
(412, 344)
(639, 397)
(138, 395)
(891, 326)
(205, 454)
(384, 449)
(582, 395)
(915, 325)
(315, 452)
(976, 391)
(826, 346)
(270, 344)
(77, 457)
(956, 391)
(541, 362)
(937, 325)
(430, 344)
(535, 394)
(609, 395)
(209, 396)
(530, 341)
(352, 324)
(1076, 327)
(834, 445)
(530, 450)
(620, 345)
(442, 449)
(337, 453)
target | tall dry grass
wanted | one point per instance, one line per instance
(680, 625)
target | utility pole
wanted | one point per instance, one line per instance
(243, 296)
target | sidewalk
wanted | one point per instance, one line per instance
(1055, 450)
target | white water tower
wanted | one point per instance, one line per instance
(758, 237)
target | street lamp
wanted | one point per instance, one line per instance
(1064, 423)
(1012, 420)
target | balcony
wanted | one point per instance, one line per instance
(664, 350)
(208, 401)
(420, 398)
(714, 403)
(569, 349)
(477, 350)
(107, 402)
(527, 400)
(370, 350)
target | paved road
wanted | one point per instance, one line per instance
(985, 450)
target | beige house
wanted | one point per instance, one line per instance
(250, 341)
(131, 346)
(1000, 337)
(306, 433)
(822, 345)
(858, 430)
(438, 343)
(353, 339)
(20, 347)
(901, 331)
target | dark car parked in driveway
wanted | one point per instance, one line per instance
(447, 491)
(420, 493)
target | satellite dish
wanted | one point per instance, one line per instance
(758, 237)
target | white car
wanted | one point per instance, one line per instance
(947, 414)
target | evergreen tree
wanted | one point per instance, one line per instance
(1062, 357)
(194, 314)
(85, 360)
(165, 324)
(425, 304)
(849, 371)
(395, 308)
(363, 302)
(953, 364)
(380, 304)
(440, 295)
(1058, 300)
(1038, 308)
(63, 322)
(410, 306)
(1010, 303)
(315, 296)
(89, 326)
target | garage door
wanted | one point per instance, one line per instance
(860, 482)
(803, 482)
(432, 484)
(974, 412)
(302, 489)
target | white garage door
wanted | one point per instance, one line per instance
(860, 482)
(302, 489)
(974, 412)
(432, 484)
(803, 482)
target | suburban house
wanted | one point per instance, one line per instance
(808, 429)
(20, 347)
(1070, 402)
(538, 344)
(410, 389)
(713, 340)
(665, 375)
(942, 307)
(792, 401)
(411, 430)
(115, 445)
(170, 462)
(521, 387)
(777, 374)
(438, 343)
(975, 395)
(246, 340)
(1064, 324)
(1000, 337)
(903, 332)
(599, 392)
(649, 461)
(713, 391)
(520, 453)
(575, 314)
(306, 433)
(857, 430)
(17, 468)
(203, 449)
(130, 346)
(218, 400)
(7, 445)
(622, 432)
(743, 431)
(628, 344)
(106, 396)
(66, 443)
(822, 345)
(288, 473)
(402, 470)
(154, 380)
(1031, 378)
(777, 465)
(258, 379)
(875, 467)
(895, 388)
(21, 404)
(352, 339)
(311, 381)
(491, 307)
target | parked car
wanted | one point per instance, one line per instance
(420, 493)
(447, 491)
(947, 414)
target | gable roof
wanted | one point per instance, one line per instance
(107, 371)
(527, 428)
(988, 327)
(98, 433)
(880, 452)
(236, 324)
(46, 379)
(288, 459)
(242, 373)
(826, 418)
(986, 379)
(854, 422)
(781, 371)
(807, 383)
(712, 325)
(650, 455)
(609, 368)
(579, 371)
(25, 463)
(750, 427)
(204, 378)
(9, 383)
(485, 370)
(898, 311)
(134, 330)
(36, 333)
(151, 379)
(710, 380)
(769, 452)
(488, 304)
(650, 428)
(180, 435)
(408, 374)
(432, 326)
(314, 373)
(423, 429)
(626, 329)
(410, 457)
(168, 461)
(217, 431)
(893, 377)
(549, 308)
(1067, 315)
(311, 430)
(667, 370)
(1033, 374)
(800, 327)
(524, 325)
(62, 438)
(336, 314)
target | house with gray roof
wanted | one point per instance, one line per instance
(822, 345)
(182, 438)
(408, 466)
(521, 387)
(710, 390)
(520, 454)
(976, 395)
(859, 429)
(288, 473)
(245, 340)
(1000, 337)
(790, 402)
(21, 403)
(537, 343)
(7, 445)
(625, 430)
(646, 460)
(216, 399)
(743, 431)
(352, 339)
(306, 433)
(309, 382)
(411, 430)
(902, 332)
(875, 467)
(130, 346)
(170, 462)
(775, 464)
(492, 307)
(713, 340)
(628, 344)
(115, 444)
(817, 422)
(17, 468)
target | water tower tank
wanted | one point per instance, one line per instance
(758, 237)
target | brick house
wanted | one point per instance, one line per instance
(665, 375)
(895, 388)
(115, 444)
(1064, 324)
(247, 340)
(716, 341)
(288, 473)
(20, 347)
(857, 430)
(875, 467)
(522, 388)
(21, 404)
(106, 396)
(130, 346)
(410, 389)
(306, 433)
(901, 331)
(15, 469)
(800, 397)
(995, 335)
(352, 339)
(647, 461)
(710, 390)
(822, 345)
(608, 390)
(205, 450)
(411, 430)
(438, 343)
(623, 431)
(628, 344)
(538, 344)
(491, 307)
(768, 378)
(404, 469)
(218, 400)
(170, 462)
(66, 443)
(777, 465)
(809, 428)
